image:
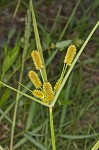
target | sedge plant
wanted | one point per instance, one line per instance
(44, 93)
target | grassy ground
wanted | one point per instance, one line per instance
(76, 114)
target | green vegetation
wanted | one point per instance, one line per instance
(72, 117)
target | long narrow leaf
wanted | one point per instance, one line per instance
(75, 137)
(34, 131)
(38, 44)
(96, 146)
(28, 96)
(74, 62)
(35, 142)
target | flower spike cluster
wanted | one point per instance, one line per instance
(71, 51)
(43, 92)
(35, 79)
(37, 59)
(70, 55)
(48, 91)
(39, 94)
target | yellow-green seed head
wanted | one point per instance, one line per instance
(70, 55)
(39, 94)
(48, 91)
(35, 79)
(37, 59)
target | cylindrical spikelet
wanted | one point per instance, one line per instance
(49, 94)
(70, 55)
(57, 85)
(37, 59)
(39, 94)
(35, 79)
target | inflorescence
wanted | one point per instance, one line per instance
(44, 91)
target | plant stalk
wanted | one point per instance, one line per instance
(27, 36)
(15, 113)
(52, 129)
(96, 146)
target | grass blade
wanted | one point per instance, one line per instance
(4, 113)
(35, 142)
(28, 96)
(63, 113)
(34, 131)
(69, 20)
(96, 146)
(74, 62)
(38, 44)
(31, 115)
(75, 137)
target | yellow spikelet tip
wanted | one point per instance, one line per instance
(37, 59)
(70, 55)
(56, 86)
(48, 91)
(39, 94)
(35, 79)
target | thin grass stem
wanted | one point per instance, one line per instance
(15, 111)
(62, 74)
(52, 129)
(42, 75)
(27, 35)
(1, 148)
(74, 62)
(25, 87)
(16, 9)
(96, 146)
(26, 95)
(69, 20)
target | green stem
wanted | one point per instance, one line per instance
(69, 20)
(16, 9)
(52, 129)
(26, 95)
(74, 62)
(27, 36)
(15, 112)
(63, 73)
(1, 148)
(42, 76)
(96, 146)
